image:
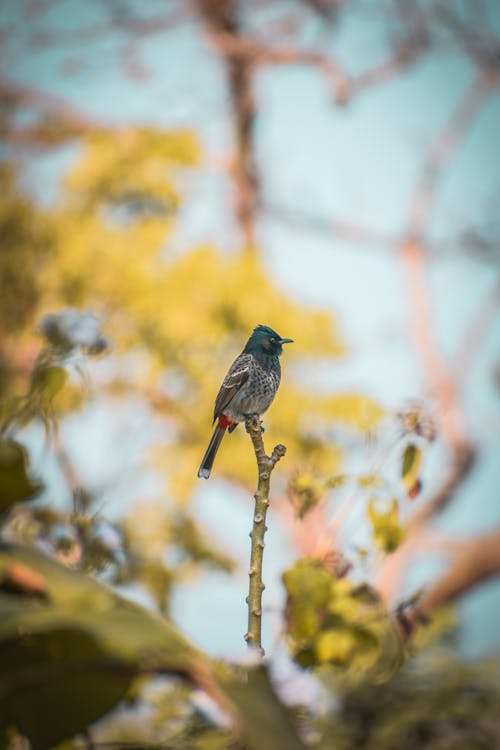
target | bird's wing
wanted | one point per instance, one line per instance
(237, 375)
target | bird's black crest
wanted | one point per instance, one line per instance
(266, 330)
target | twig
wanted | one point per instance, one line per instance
(471, 562)
(462, 462)
(413, 259)
(438, 374)
(419, 529)
(265, 465)
(442, 151)
(479, 328)
(225, 32)
(355, 233)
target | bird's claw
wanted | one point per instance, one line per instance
(254, 419)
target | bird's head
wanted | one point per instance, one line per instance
(265, 340)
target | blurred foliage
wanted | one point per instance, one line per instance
(410, 468)
(161, 713)
(331, 620)
(27, 245)
(435, 702)
(131, 172)
(387, 530)
(184, 318)
(70, 334)
(163, 549)
(68, 638)
(70, 647)
(15, 482)
(417, 421)
(304, 492)
(262, 728)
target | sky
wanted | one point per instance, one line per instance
(358, 163)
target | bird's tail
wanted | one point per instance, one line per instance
(210, 453)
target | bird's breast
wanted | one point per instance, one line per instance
(256, 394)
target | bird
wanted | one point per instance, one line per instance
(247, 390)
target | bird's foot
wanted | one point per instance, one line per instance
(254, 419)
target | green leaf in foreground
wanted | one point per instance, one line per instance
(265, 722)
(15, 482)
(387, 530)
(70, 646)
(333, 621)
(410, 468)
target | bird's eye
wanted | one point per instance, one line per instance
(273, 340)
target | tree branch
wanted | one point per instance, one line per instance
(265, 465)
(471, 562)
(461, 464)
(442, 151)
(438, 374)
(346, 230)
(478, 330)
(419, 526)
(237, 53)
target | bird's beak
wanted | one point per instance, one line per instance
(286, 341)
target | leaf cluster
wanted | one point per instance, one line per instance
(434, 702)
(331, 620)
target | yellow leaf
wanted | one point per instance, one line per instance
(410, 467)
(368, 480)
(335, 645)
(387, 531)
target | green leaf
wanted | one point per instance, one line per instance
(47, 381)
(158, 579)
(336, 481)
(188, 537)
(265, 721)
(304, 492)
(335, 645)
(58, 683)
(368, 480)
(410, 467)
(308, 585)
(333, 621)
(70, 646)
(15, 483)
(387, 531)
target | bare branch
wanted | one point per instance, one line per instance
(221, 19)
(470, 563)
(473, 561)
(441, 152)
(265, 466)
(477, 331)
(462, 463)
(482, 47)
(356, 234)
(419, 533)
(403, 58)
(443, 149)
(57, 120)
